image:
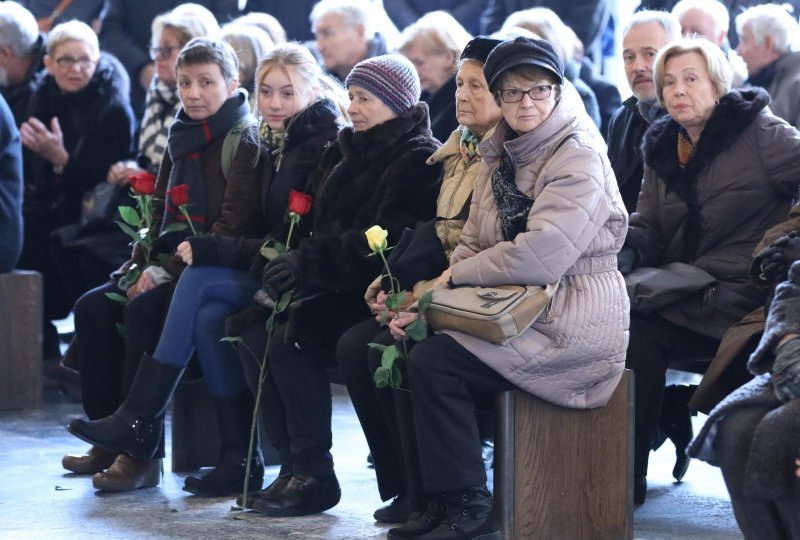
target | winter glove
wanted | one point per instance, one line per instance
(626, 260)
(774, 261)
(786, 371)
(279, 276)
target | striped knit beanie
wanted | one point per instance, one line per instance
(391, 78)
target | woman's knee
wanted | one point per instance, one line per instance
(94, 306)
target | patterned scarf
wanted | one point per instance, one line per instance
(187, 140)
(685, 148)
(163, 105)
(468, 145)
(513, 206)
(275, 141)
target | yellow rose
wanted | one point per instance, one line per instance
(376, 238)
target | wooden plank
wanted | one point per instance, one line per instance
(572, 470)
(20, 340)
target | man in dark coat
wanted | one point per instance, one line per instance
(125, 33)
(10, 190)
(647, 32)
(22, 49)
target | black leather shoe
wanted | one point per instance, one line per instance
(225, 479)
(275, 487)
(639, 490)
(302, 496)
(467, 516)
(402, 509)
(428, 521)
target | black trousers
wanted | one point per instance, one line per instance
(757, 518)
(295, 400)
(654, 343)
(108, 362)
(446, 381)
(385, 413)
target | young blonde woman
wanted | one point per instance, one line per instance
(299, 118)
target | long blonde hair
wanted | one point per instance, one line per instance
(298, 62)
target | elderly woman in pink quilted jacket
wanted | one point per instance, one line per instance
(545, 208)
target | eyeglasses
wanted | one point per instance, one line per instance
(537, 93)
(161, 52)
(66, 62)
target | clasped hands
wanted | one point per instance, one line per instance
(407, 313)
(279, 276)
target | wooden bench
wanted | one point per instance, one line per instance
(21, 338)
(564, 474)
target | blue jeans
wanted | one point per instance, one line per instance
(204, 297)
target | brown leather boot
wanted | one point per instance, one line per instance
(93, 461)
(128, 473)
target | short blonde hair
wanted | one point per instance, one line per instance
(188, 21)
(72, 31)
(267, 23)
(717, 65)
(250, 44)
(438, 32)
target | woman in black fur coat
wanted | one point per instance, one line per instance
(375, 174)
(720, 170)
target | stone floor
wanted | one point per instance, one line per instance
(38, 500)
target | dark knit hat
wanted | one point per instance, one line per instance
(479, 48)
(522, 51)
(391, 77)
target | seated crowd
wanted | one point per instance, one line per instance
(260, 180)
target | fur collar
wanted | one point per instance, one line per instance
(735, 112)
(373, 143)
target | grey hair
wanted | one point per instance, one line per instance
(714, 8)
(352, 12)
(773, 21)
(188, 21)
(18, 28)
(546, 24)
(667, 21)
(438, 32)
(73, 30)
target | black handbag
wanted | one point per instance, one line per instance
(651, 289)
(99, 206)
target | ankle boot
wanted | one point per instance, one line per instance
(275, 487)
(234, 417)
(430, 519)
(136, 427)
(128, 474)
(93, 461)
(467, 516)
(302, 496)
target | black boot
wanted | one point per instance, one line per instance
(302, 496)
(676, 423)
(467, 516)
(136, 427)
(234, 418)
(430, 519)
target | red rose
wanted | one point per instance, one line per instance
(179, 195)
(299, 203)
(143, 184)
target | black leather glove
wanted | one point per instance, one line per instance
(774, 261)
(279, 276)
(786, 371)
(626, 260)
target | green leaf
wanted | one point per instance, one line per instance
(121, 330)
(395, 300)
(377, 346)
(424, 302)
(280, 247)
(132, 275)
(133, 233)
(417, 330)
(269, 253)
(232, 339)
(173, 227)
(117, 297)
(381, 377)
(130, 216)
(396, 377)
(283, 302)
(390, 354)
(161, 258)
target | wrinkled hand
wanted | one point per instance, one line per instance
(279, 276)
(778, 257)
(397, 324)
(120, 172)
(626, 260)
(48, 143)
(142, 285)
(786, 371)
(379, 306)
(184, 251)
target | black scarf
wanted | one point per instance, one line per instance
(187, 140)
(764, 77)
(513, 206)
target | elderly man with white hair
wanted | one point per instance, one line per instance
(22, 50)
(347, 32)
(647, 32)
(769, 45)
(710, 19)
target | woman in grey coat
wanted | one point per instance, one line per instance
(720, 170)
(545, 208)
